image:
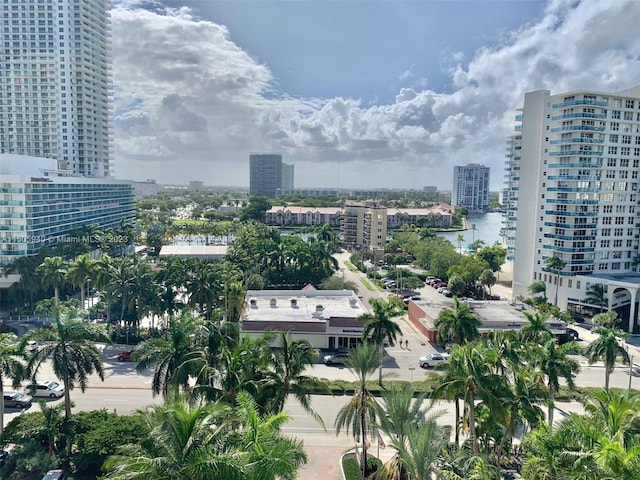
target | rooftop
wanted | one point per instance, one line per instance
(301, 305)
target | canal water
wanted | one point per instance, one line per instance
(488, 227)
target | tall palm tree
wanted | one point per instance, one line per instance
(54, 272)
(538, 287)
(457, 323)
(618, 413)
(607, 347)
(360, 413)
(554, 362)
(535, 330)
(555, 265)
(11, 367)
(468, 375)
(473, 233)
(166, 354)
(379, 327)
(72, 351)
(79, 273)
(286, 377)
(460, 239)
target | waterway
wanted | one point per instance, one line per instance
(488, 227)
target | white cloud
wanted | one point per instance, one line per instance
(188, 96)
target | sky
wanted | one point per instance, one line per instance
(354, 93)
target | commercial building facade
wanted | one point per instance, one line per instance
(265, 174)
(572, 167)
(327, 319)
(56, 83)
(471, 187)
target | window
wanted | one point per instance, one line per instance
(615, 114)
(613, 138)
(629, 103)
(615, 126)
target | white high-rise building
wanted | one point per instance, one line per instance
(471, 187)
(56, 83)
(572, 168)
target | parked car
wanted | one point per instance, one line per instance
(126, 356)
(17, 400)
(447, 293)
(433, 360)
(54, 475)
(44, 388)
(32, 346)
(442, 289)
(335, 358)
(3, 457)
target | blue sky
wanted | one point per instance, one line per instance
(354, 93)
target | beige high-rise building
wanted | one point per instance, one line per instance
(365, 227)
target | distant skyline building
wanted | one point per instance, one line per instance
(288, 176)
(471, 187)
(265, 174)
(573, 163)
(56, 83)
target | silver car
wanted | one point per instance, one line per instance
(45, 389)
(433, 360)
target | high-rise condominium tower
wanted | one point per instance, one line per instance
(265, 174)
(56, 82)
(471, 187)
(573, 164)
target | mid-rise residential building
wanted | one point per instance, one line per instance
(365, 227)
(471, 187)
(265, 174)
(572, 165)
(56, 83)
(40, 205)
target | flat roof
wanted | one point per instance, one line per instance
(194, 250)
(308, 305)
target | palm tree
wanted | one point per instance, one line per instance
(71, 348)
(11, 367)
(607, 347)
(618, 413)
(555, 266)
(597, 296)
(457, 323)
(54, 272)
(538, 287)
(535, 330)
(285, 377)
(460, 239)
(166, 354)
(468, 375)
(379, 326)
(360, 413)
(554, 362)
(487, 279)
(79, 273)
(185, 442)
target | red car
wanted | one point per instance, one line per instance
(126, 356)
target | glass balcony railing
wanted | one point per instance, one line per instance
(571, 103)
(568, 141)
(572, 153)
(566, 116)
(569, 128)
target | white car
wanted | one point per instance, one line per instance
(43, 388)
(433, 360)
(32, 346)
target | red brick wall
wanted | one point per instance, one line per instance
(415, 314)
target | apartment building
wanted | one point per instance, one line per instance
(365, 227)
(56, 83)
(265, 174)
(40, 205)
(471, 187)
(572, 169)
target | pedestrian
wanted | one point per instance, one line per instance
(406, 344)
(400, 342)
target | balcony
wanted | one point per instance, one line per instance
(566, 116)
(571, 153)
(576, 140)
(571, 103)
